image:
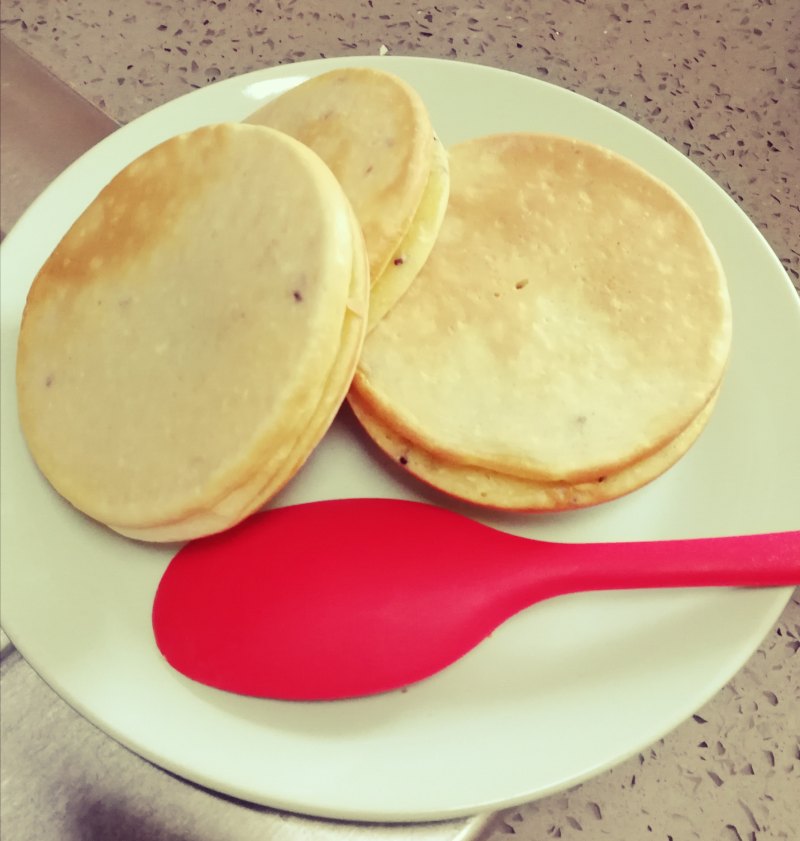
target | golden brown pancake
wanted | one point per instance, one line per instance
(374, 132)
(495, 489)
(192, 336)
(571, 320)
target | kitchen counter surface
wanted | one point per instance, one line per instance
(719, 80)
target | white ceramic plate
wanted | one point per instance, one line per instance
(558, 694)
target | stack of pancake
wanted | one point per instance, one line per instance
(528, 322)
(193, 335)
(565, 341)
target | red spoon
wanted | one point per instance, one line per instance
(352, 597)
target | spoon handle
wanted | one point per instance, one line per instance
(760, 560)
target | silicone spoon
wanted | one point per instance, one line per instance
(352, 597)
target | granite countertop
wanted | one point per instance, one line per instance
(718, 79)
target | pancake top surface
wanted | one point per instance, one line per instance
(572, 316)
(186, 324)
(373, 131)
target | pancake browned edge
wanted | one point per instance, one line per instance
(494, 489)
(565, 339)
(191, 338)
(374, 132)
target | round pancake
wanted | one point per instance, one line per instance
(571, 319)
(374, 132)
(494, 489)
(191, 337)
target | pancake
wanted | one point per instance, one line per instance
(374, 132)
(571, 320)
(192, 336)
(494, 489)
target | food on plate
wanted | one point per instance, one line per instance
(503, 490)
(374, 132)
(564, 341)
(192, 336)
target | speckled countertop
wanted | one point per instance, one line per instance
(718, 79)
